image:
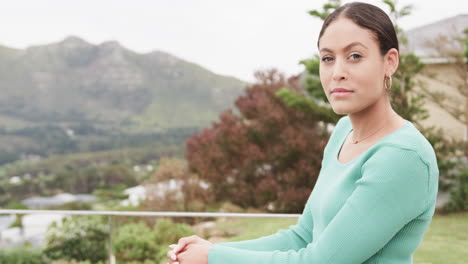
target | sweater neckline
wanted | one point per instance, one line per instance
(348, 131)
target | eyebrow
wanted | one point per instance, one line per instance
(348, 47)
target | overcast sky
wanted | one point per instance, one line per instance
(234, 37)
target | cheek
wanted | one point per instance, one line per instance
(367, 77)
(325, 77)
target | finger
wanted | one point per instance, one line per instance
(170, 261)
(185, 241)
(171, 255)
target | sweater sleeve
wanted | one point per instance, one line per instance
(295, 238)
(392, 191)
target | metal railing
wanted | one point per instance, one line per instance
(144, 213)
(110, 214)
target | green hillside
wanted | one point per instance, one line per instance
(73, 96)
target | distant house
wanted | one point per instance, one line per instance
(446, 76)
(139, 193)
(135, 195)
(159, 190)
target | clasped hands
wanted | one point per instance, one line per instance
(189, 250)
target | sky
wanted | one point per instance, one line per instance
(233, 38)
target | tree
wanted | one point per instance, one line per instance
(268, 156)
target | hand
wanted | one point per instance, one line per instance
(192, 249)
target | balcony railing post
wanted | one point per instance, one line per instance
(111, 254)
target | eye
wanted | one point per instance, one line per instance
(327, 59)
(355, 56)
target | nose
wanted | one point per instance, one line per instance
(339, 70)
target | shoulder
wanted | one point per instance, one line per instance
(405, 152)
(409, 139)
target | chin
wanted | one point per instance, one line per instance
(347, 108)
(341, 110)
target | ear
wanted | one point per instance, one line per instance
(391, 61)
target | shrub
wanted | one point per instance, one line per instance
(458, 193)
(137, 243)
(78, 238)
(21, 256)
(168, 233)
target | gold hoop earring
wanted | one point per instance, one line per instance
(388, 86)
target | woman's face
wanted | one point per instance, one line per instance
(352, 69)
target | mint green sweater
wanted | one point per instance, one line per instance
(373, 209)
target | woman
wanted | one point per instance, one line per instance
(375, 195)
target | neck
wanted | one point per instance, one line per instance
(374, 117)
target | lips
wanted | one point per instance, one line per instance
(341, 93)
(341, 90)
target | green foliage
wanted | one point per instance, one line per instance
(78, 238)
(87, 179)
(301, 103)
(81, 173)
(21, 256)
(137, 243)
(408, 103)
(168, 233)
(15, 204)
(444, 149)
(458, 193)
(327, 9)
(52, 139)
(115, 192)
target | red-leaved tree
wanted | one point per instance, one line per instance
(267, 156)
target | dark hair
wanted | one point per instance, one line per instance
(370, 17)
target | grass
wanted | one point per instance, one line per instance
(446, 241)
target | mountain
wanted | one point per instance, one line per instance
(108, 86)
(73, 96)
